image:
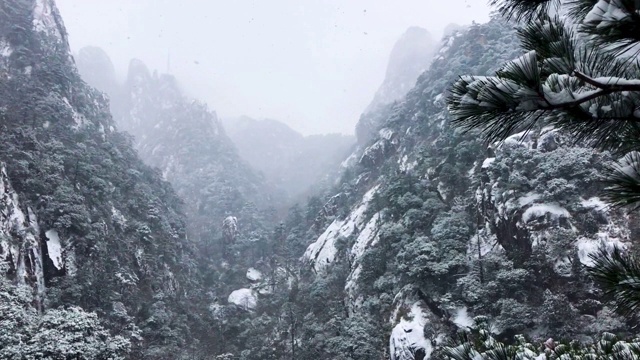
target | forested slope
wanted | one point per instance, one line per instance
(431, 228)
(84, 222)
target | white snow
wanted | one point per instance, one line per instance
(518, 138)
(405, 165)
(349, 161)
(168, 167)
(616, 81)
(126, 278)
(446, 47)
(487, 244)
(566, 95)
(462, 318)
(43, 19)
(78, 118)
(23, 228)
(364, 238)
(386, 133)
(54, 248)
(254, 274)
(442, 190)
(542, 209)
(594, 203)
(5, 49)
(117, 217)
(528, 199)
(606, 11)
(590, 246)
(487, 162)
(245, 298)
(323, 251)
(408, 336)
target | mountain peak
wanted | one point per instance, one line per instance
(47, 19)
(96, 68)
(410, 56)
(138, 70)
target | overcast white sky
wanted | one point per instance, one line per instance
(314, 64)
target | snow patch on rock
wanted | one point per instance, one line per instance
(117, 217)
(407, 337)
(364, 238)
(386, 133)
(244, 298)
(322, 252)
(594, 203)
(44, 18)
(587, 246)
(254, 274)
(54, 249)
(367, 238)
(5, 49)
(23, 252)
(528, 199)
(542, 209)
(487, 162)
(462, 318)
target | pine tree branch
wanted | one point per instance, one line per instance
(456, 102)
(619, 85)
(523, 9)
(619, 275)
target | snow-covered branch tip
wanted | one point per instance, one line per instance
(611, 84)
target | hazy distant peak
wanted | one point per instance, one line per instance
(168, 86)
(247, 125)
(415, 44)
(96, 57)
(138, 70)
(415, 31)
(411, 56)
(96, 68)
(452, 28)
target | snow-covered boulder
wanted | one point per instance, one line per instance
(407, 340)
(244, 298)
(254, 274)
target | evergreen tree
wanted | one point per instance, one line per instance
(580, 73)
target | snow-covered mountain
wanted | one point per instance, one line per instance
(184, 139)
(426, 229)
(82, 220)
(433, 228)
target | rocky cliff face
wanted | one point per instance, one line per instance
(434, 228)
(82, 219)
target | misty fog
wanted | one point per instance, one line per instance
(314, 65)
(319, 180)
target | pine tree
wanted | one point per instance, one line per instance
(580, 73)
